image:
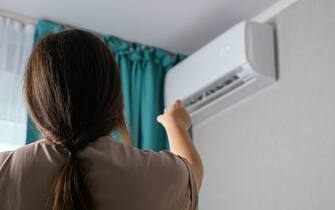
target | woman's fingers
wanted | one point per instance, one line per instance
(160, 119)
(178, 102)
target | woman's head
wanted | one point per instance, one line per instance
(73, 91)
(73, 88)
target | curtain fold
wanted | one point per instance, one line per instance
(16, 41)
(143, 69)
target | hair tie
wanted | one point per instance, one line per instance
(72, 149)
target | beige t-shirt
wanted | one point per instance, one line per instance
(118, 176)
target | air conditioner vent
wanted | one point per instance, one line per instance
(217, 89)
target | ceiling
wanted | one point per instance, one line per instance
(176, 25)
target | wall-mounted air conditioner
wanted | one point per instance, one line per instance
(231, 67)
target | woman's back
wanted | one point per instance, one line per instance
(117, 176)
(72, 87)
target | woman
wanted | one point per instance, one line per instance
(73, 92)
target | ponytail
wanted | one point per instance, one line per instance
(70, 191)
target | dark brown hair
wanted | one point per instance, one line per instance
(73, 93)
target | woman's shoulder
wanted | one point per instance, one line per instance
(24, 149)
(27, 154)
(8, 159)
(131, 153)
(144, 163)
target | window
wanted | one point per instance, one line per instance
(16, 40)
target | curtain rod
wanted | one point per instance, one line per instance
(19, 17)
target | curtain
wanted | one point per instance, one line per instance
(16, 40)
(143, 69)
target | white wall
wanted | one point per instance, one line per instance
(276, 150)
(179, 26)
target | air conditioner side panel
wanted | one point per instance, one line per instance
(260, 48)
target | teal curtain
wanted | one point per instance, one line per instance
(143, 69)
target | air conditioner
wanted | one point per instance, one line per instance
(233, 66)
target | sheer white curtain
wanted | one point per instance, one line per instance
(16, 41)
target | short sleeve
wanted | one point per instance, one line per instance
(192, 185)
(176, 171)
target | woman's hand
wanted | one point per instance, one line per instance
(175, 116)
